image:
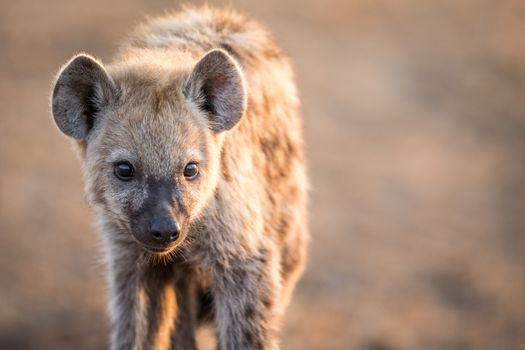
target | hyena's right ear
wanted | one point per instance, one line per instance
(83, 88)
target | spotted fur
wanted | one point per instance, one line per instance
(208, 86)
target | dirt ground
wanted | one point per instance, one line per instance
(415, 123)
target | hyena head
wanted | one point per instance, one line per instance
(150, 137)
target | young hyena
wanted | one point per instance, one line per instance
(193, 160)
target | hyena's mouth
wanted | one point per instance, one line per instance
(158, 255)
(159, 249)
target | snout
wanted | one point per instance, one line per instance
(164, 230)
(161, 234)
(158, 225)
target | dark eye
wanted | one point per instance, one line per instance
(123, 171)
(191, 170)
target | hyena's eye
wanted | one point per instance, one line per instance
(191, 170)
(123, 170)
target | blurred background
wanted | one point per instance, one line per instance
(415, 124)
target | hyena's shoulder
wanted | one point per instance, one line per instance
(199, 29)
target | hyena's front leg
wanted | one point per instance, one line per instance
(143, 304)
(123, 299)
(247, 310)
(183, 336)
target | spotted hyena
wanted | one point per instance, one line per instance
(192, 150)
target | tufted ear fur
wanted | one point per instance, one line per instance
(83, 88)
(216, 85)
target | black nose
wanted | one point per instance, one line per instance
(164, 229)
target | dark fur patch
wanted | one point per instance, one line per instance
(205, 311)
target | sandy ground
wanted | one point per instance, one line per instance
(415, 124)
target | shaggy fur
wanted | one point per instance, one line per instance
(208, 87)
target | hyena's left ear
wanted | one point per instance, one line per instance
(216, 85)
(83, 88)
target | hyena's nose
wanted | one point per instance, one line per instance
(164, 229)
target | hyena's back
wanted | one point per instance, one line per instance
(270, 134)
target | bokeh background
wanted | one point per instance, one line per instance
(415, 124)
